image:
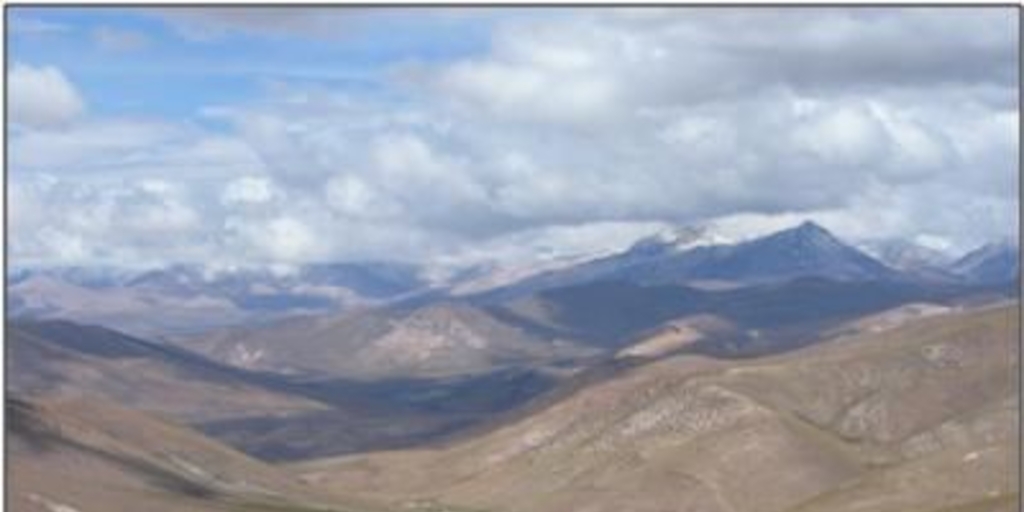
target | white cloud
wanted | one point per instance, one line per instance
(288, 239)
(131, 223)
(919, 148)
(598, 63)
(127, 146)
(551, 243)
(247, 190)
(848, 136)
(520, 92)
(353, 197)
(569, 126)
(41, 97)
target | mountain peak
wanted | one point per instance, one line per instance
(806, 233)
(803, 250)
(1001, 244)
(993, 262)
(995, 247)
(809, 227)
(905, 255)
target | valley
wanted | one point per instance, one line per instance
(344, 257)
(634, 386)
(874, 421)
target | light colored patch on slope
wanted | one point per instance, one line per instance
(898, 316)
(676, 335)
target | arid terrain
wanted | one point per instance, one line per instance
(918, 417)
(808, 377)
(894, 412)
(501, 258)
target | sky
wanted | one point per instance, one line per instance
(254, 136)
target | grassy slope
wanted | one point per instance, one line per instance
(92, 455)
(67, 359)
(832, 427)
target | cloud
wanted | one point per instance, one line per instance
(581, 67)
(281, 239)
(119, 40)
(118, 147)
(210, 24)
(319, 23)
(35, 27)
(353, 197)
(850, 135)
(552, 243)
(913, 212)
(130, 192)
(515, 90)
(41, 97)
(247, 190)
(571, 129)
(131, 223)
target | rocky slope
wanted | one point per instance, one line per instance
(90, 455)
(991, 263)
(767, 317)
(59, 358)
(919, 417)
(269, 416)
(441, 339)
(699, 258)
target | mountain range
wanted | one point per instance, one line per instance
(787, 373)
(919, 417)
(181, 300)
(991, 263)
(184, 300)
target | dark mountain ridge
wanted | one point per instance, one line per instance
(991, 263)
(807, 250)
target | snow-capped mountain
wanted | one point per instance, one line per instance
(991, 263)
(804, 250)
(700, 255)
(183, 298)
(506, 260)
(679, 239)
(906, 255)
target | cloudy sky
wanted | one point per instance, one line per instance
(252, 136)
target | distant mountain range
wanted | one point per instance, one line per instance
(907, 256)
(991, 263)
(184, 300)
(806, 250)
(699, 258)
(765, 295)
